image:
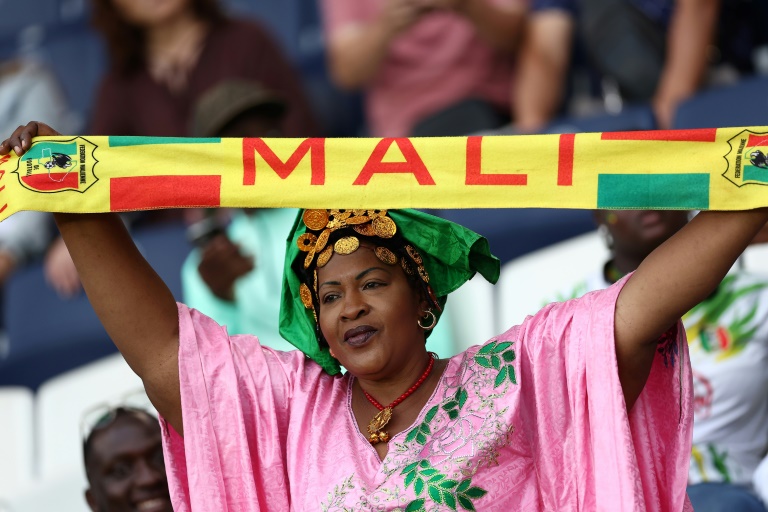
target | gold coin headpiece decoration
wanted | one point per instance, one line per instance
(370, 223)
(324, 257)
(385, 255)
(346, 245)
(315, 219)
(306, 296)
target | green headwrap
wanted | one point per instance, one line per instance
(451, 255)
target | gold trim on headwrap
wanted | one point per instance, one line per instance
(346, 245)
(385, 255)
(370, 223)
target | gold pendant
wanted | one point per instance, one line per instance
(377, 424)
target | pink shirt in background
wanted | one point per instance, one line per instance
(438, 62)
(534, 420)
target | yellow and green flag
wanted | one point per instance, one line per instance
(709, 169)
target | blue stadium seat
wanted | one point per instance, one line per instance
(165, 247)
(77, 57)
(27, 13)
(514, 232)
(49, 335)
(280, 18)
(632, 117)
(742, 104)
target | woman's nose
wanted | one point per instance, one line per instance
(355, 306)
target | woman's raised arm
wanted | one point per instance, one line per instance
(671, 280)
(132, 302)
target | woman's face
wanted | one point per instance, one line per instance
(147, 13)
(369, 313)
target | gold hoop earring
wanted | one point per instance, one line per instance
(433, 320)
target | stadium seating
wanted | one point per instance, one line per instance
(631, 117)
(16, 438)
(62, 493)
(515, 232)
(49, 335)
(742, 104)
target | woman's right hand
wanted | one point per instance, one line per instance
(21, 138)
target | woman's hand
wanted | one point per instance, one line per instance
(21, 138)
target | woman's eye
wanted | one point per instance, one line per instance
(372, 284)
(330, 298)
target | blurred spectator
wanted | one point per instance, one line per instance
(427, 67)
(728, 341)
(28, 91)
(236, 274)
(123, 456)
(165, 54)
(644, 50)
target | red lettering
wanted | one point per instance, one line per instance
(316, 148)
(2, 175)
(475, 174)
(2, 161)
(565, 160)
(413, 163)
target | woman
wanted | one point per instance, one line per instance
(165, 54)
(537, 419)
(728, 341)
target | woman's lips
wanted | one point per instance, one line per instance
(359, 335)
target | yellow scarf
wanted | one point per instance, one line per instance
(710, 169)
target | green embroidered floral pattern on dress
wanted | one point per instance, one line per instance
(432, 466)
(439, 488)
(500, 357)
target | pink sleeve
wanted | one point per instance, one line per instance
(235, 398)
(613, 460)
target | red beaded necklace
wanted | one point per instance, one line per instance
(377, 424)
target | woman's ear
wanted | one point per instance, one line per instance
(424, 305)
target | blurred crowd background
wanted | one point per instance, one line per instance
(334, 68)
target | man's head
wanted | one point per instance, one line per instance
(238, 108)
(634, 234)
(124, 464)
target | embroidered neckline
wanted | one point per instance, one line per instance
(416, 422)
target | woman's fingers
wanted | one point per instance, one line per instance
(21, 138)
(13, 142)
